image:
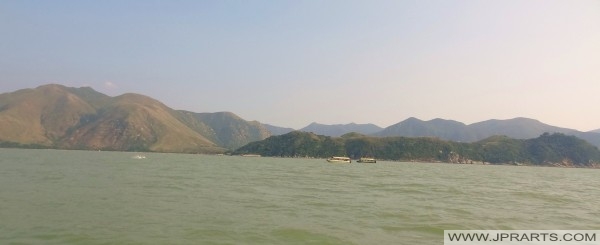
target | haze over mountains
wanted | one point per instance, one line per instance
(341, 129)
(56, 116)
(518, 128)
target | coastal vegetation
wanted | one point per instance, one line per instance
(548, 149)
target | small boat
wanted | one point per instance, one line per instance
(339, 160)
(139, 157)
(367, 160)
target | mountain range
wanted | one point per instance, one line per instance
(55, 116)
(517, 128)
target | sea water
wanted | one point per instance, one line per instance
(86, 197)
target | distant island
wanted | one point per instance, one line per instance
(546, 150)
(59, 117)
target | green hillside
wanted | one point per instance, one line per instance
(548, 149)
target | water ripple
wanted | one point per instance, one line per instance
(78, 197)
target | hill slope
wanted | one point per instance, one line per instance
(40, 116)
(295, 144)
(275, 130)
(56, 116)
(136, 123)
(231, 131)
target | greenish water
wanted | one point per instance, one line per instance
(81, 197)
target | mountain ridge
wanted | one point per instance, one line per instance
(519, 128)
(337, 130)
(56, 116)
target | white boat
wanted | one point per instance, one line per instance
(139, 157)
(367, 160)
(339, 160)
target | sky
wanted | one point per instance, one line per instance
(291, 63)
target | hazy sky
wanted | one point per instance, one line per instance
(290, 63)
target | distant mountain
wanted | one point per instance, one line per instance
(595, 131)
(525, 128)
(275, 130)
(55, 116)
(340, 129)
(547, 149)
(231, 131)
(518, 128)
(444, 129)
